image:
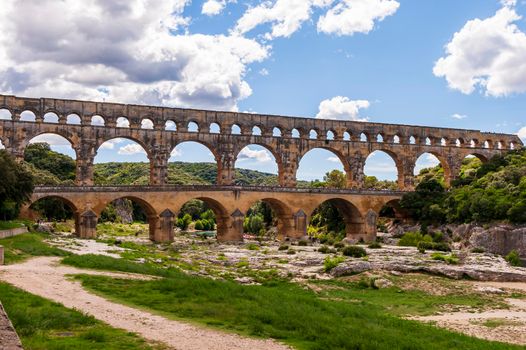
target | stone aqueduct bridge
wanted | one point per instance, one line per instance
(287, 138)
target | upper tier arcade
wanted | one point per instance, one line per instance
(287, 138)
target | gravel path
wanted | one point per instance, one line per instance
(512, 330)
(44, 276)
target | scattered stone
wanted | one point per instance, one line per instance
(244, 280)
(490, 290)
(381, 283)
(351, 268)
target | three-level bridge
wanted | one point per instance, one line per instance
(87, 125)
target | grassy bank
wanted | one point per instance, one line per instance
(7, 225)
(23, 246)
(357, 319)
(42, 324)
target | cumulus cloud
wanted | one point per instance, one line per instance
(131, 51)
(51, 139)
(110, 144)
(356, 16)
(522, 134)
(334, 159)
(489, 54)
(261, 156)
(176, 152)
(459, 116)
(131, 149)
(342, 108)
(213, 7)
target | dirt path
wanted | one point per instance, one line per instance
(509, 325)
(44, 276)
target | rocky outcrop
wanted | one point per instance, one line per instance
(499, 239)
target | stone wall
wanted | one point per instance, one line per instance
(12, 232)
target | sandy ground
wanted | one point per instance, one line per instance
(44, 276)
(513, 320)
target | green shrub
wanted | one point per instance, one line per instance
(339, 245)
(198, 225)
(303, 243)
(411, 239)
(444, 247)
(375, 245)
(478, 250)
(324, 249)
(283, 247)
(354, 251)
(330, 263)
(252, 246)
(513, 258)
(291, 251)
(450, 259)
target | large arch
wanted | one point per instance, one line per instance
(384, 166)
(197, 151)
(260, 158)
(426, 161)
(52, 208)
(123, 150)
(319, 161)
(356, 225)
(227, 227)
(283, 216)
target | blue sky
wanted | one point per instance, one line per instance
(434, 62)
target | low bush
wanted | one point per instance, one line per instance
(444, 247)
(354, 251)
(451, 259)
(478, 250)
(252, 246)
(375, 245)
(339, 245)
(283, 247)
(330, 263)
(513, 258)
(303, 243)
(291, 251)
(411, 239)
(324, 249)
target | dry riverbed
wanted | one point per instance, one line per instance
(253, 262)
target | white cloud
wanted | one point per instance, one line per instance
(129, 51)
(110, 144)
(459, 116)
(355, 16)
(1, 145)
(489, 54)
(285, 16)
(334, 159)
(263, 72)
(261, 156)
(131, 149)
(341, 108)
(522, 134)
(176, 152)
(213, 7)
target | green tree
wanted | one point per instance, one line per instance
(42, 157)
(335, 179)
(16, 186)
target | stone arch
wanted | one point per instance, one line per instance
(396, 161)
(284, 216)
(5, 114)
(380, 138)
(214, 128)
(123, 122)
(170, 125)
(313, 134)
(295, 133)
(28, 116)
(446, 166)
(147, 124)
(141, 143)
(97, 120)
(33, 211)
(345, 164)
(27, 140)
(276, 131)
(256, 130)
(235, 129)
(228, 229)
(192, 126)
(207, 146)
(330, 135)
(51, 117)
(364, 137)
(346, 136)
(73, 119)
(277, 159)
(356, 227)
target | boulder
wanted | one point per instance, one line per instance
(500, 239)
(350, 268)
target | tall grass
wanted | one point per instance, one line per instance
(23, 246)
